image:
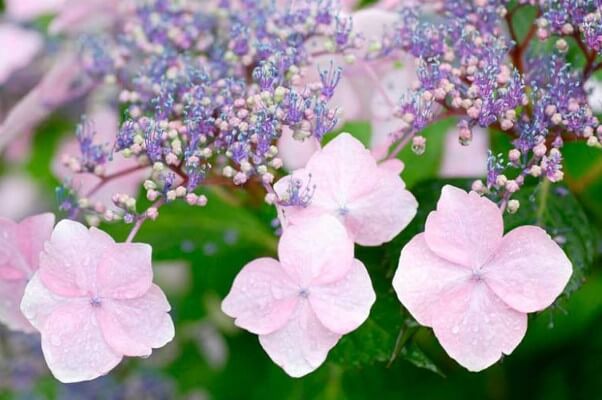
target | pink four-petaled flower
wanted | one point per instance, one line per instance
(344, 180)
(20, 247)
(301, 305)
(94, 302)
(473, 285)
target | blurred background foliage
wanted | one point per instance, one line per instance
(198, 252)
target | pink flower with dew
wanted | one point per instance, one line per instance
(25, 10)
(64, 82)
(465, 161)
(20, 248)
(301, 305)
(473, 285)
(21, 44)
(344, 180)
(106, 124)
(93, 301)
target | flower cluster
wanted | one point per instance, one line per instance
(209, 90)
(472, 65)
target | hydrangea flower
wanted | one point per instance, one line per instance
(21, 44)
(94, 302)
(20, 247)
(473, 285)
(344, 180)
(301, 305)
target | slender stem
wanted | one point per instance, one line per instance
(140, 221)
(107, 178)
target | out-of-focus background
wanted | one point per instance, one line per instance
(198, 252)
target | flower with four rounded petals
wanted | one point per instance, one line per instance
(301, 305)
(344, 180)
(94, 302)
(20, 247)
(474, 285)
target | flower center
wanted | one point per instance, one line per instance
(304, 293)
(95, 302)
(342, 211)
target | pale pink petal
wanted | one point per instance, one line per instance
(68, 265)
(21, 44)
(302, 345)
(394, 166)
(344, 305)
(379, 215)
(465, 229)
(73, 344)
(341, 170)
(295, 153)
(465, 161)
(125, 271)
(39, 302)
(24, 10)
(317, 251)
(476, 327)
(134, 327)
(13, 264)
(262, 297)
(33, 232)
(11, 293)
(423, 280)
(528, 270)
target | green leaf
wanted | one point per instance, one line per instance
(414, 354)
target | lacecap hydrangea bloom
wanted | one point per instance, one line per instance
(474, 285)
(94, 302)
(344, 180)
(302, 304)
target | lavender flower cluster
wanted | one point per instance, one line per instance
(472, 65)
(208, 88)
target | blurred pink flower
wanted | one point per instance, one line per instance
(106, 124)
(594, 88)
(77, 15)
(94, 302)
(19, 196)
(473, 285)
(465, 161)
(295, 153)
(19, 47)
(65, 81)
(25, 10)
(20, 248)
(344, 180)
(301, 305)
